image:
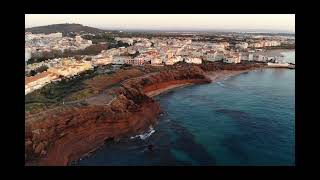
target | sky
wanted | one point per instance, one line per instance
(243, 22)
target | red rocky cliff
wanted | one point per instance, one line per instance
(61, 135)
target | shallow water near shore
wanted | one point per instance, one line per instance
(248, 119)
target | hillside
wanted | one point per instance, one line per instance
(66, 29)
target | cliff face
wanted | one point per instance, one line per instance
(66, 133)
(178, 75)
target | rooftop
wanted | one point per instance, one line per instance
(36, 77)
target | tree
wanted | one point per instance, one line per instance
(33, 72)
(77, 57)
(88, 59)
(41, 69)
(121, 44)
(57, 53)
(135, 54)
(48, 55)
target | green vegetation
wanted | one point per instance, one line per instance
(100, 38)
(135, 54)
(108, 39)
(91, 50)
(37, 107)
(39, 70)
(80, 94)
(125, 66)
(32, 73)
(66, 29)
(66, 90)
(42, 69)
(55, 93)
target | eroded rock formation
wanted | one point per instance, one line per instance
(68, 132)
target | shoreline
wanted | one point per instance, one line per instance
(218, 75)
(214, 76)
(275, 52)
(157, 89)
(67, 134)
(167, 89)
(57, 138)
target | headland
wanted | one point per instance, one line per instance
(69, 131)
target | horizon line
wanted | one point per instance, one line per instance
(180, 29)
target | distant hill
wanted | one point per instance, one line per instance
(66, 29)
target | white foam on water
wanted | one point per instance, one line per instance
(227, 77)
(145, 135)
(167, 120)
(221, 84)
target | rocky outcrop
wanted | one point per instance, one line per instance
(63, 134)
(66, 133)
(178, 75)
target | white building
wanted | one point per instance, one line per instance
(250, 57)
(27, 54)
(69, 67)
(119, 59)
(219, 56)
(78, 38)
(247, 57)
(256, 45)
(156, 61)
(169, 61)
(242, 45)
(275, 43)
(193, 60)
(141, 60)
(177, 59)
(40, 43)
(211, 55)
(197, 53)
(38, 81)
(55, 35)
(260, 57)
(102, 59)
(233, 58)
(219, 46)
(172, 60)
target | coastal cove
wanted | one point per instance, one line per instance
(179, 90)
(221, 74)
(214, 76)
(244, 118)
(210, 132)
(132, 105)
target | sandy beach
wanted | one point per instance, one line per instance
(213, 75)
(159, 91)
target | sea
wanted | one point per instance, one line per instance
(243, 120)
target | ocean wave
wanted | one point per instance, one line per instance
(145, 135)
(221, 84)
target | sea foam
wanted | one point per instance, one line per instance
(144, 135)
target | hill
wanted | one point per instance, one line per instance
(66, 29)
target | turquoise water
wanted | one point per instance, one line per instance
(247, 119)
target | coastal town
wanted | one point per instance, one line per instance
(141, 51)
(159, 89)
